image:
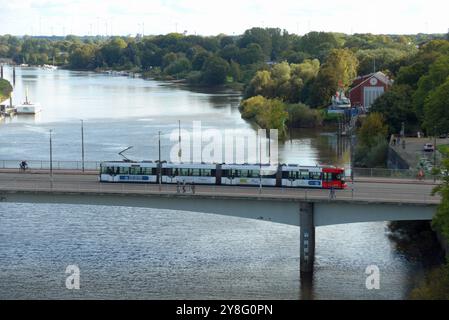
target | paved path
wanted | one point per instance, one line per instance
(367, 189)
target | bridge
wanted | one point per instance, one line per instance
(365, 200)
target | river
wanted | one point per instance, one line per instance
(162, 254)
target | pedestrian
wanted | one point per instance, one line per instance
(193, 187)
(403, 144)
(184, 186)
(332, 193)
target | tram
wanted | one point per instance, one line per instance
(285, 175)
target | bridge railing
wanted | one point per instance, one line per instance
(389, 173)
(45, 164)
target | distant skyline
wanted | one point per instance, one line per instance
(202, 17)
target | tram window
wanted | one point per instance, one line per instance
(183, 172)
(167, 171)
(123, 170)
(196, 172)
(315, 176)
(206, 172)
(134, 171)
(147, 171)
(336, 176)
(304, 174)
(293, 175)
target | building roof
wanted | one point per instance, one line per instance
(378, 75)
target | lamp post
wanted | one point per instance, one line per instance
(51, 159)
(160, 164)
(260, 164)
(180, 150)
(82, 144)
(434, 151)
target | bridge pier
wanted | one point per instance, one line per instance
(307, 235)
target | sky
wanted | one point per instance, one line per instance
(209, 17)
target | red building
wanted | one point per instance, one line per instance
(366, 89)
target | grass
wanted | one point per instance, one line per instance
(444, 149)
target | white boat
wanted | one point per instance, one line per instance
(28, 107)
(49, 67)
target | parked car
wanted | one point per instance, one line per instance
(443, 136)
(429, 147)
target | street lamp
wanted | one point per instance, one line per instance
(434, 152)
(180, 150)
(82, 144)
(51, 159)
(160, 164)
(260, 163)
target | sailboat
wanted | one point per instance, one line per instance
(28, 107)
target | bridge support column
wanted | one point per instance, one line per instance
(307, 235)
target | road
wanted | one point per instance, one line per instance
(366, 189)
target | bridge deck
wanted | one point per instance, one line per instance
(362, 190)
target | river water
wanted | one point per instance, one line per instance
(162, 254)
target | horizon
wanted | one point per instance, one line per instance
(83, 18)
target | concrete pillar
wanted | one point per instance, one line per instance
(307, 235)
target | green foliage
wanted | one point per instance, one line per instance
(215, 70)
(5, 89)
(396, 107)
(318, 44)
(340, 68)
(437, 75)
(380, 58)
(267, 113)
(441, 219)
(372, 145)
(301, 116)
(436, 110)
(435, 286)
(372, 126)
(284, 81)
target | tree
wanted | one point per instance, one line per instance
(396, 107)
(178, 67)
(251, 54)
(113, 50)
(436, 110)
(371, 149)
(261, 84)
(81, 58)
(267, 113)
(372, 126)
(340, 68)
(215, 70)
(5, 89)
(318, 44)
(257, 36)
(438, 73)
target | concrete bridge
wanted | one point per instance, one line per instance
(366, 200)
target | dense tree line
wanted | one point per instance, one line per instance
(268, 62)
(420, 93)
(208, 60)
